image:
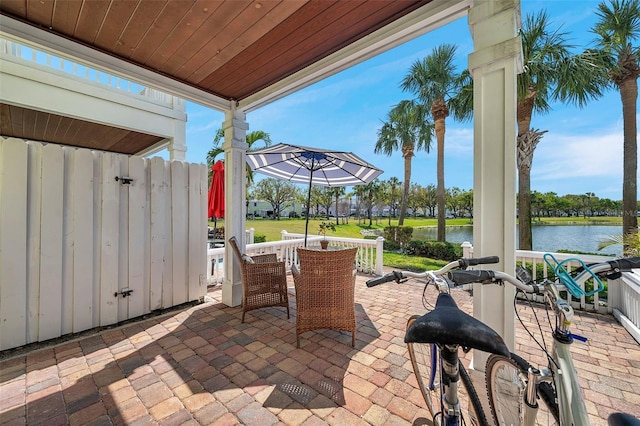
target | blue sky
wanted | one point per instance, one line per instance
(582, 151)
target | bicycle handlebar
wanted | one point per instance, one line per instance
(468, 277)
(488, 276)
(392, 276)
(400, 276)
(463, 276)
(624, 264)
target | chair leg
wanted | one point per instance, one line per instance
(353, 339)
(298, 341)
(243, 312)
(288, 317)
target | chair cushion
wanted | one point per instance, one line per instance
(247, 258)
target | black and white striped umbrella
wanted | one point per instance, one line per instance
(312, 166)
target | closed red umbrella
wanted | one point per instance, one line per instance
(216, 192)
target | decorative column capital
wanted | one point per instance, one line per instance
(494, 25)
(235, 128)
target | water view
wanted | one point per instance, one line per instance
(584, 238)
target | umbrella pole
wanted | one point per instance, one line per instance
(306, 224)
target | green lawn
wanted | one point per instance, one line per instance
(596, 220)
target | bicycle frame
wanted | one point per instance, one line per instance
(449, 390)
(444, 358)
(570, 402)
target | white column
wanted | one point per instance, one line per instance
(235, 160)
(178, 144)
(494, 64)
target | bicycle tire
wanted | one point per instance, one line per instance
(477, 416)
(506, 380)
(421, 355)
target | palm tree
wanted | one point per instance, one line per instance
(252, 139)
(338, 191)
(617, 27)
(369, 194)
(443, 90)
(407, 129)
(551, 72)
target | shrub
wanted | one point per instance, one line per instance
(401, 235)
(259, 238)
(434, 249)
(389, 245)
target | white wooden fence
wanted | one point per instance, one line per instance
(80, 249)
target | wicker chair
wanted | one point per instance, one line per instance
(264, 280)
(325, 287)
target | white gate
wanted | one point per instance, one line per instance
(81, 249)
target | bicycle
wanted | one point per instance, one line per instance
(433, 341)
(513, 385)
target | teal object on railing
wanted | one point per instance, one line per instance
(565, 278)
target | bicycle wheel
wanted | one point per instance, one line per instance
(470, 405)
(426, 366)
(506, 381)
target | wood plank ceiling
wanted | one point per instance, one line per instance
(228, 48)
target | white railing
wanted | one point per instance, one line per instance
(626, 303)
(368, 258)
(18, 52)
(215, 259)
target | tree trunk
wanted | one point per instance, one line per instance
(439, 111)
(525, 237)
(407, 181)
(526, 146)
(629, 95)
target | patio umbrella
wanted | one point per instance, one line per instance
(315, 166)
(216, 194)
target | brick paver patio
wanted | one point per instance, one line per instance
(200, 365)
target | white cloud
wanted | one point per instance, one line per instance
(458, 141)
(580, 155)
(569, 156)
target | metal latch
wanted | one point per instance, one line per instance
(124, 292)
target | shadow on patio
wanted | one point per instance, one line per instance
(201, 365)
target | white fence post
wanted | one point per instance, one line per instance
(379, 250)
(467, 253)
(467, 250)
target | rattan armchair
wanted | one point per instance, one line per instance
(325, 285)
(264, 280)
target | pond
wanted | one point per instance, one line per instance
(549, 238)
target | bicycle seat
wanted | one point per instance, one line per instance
(448, 325)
